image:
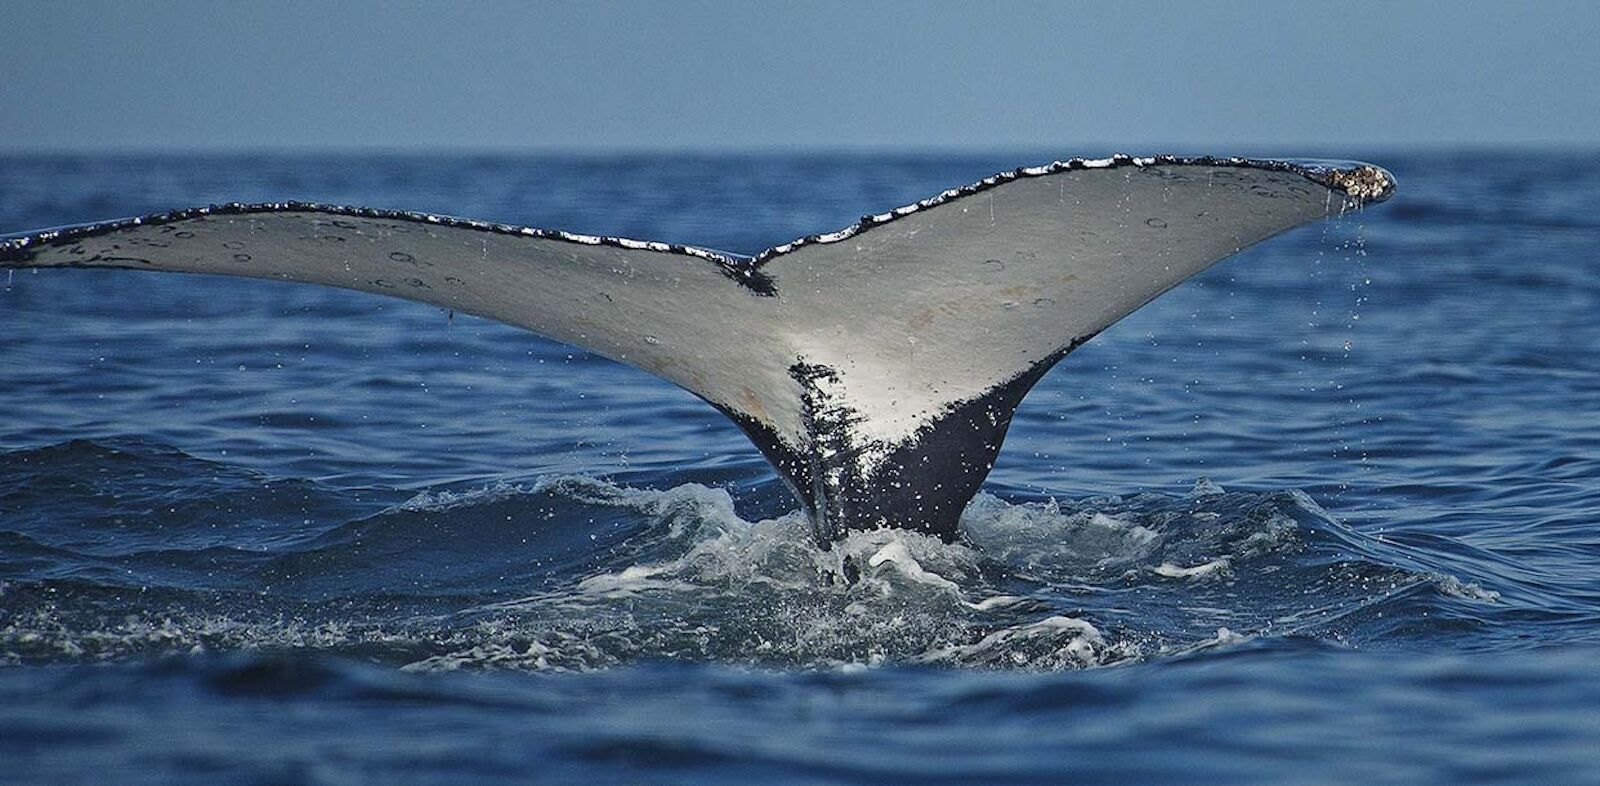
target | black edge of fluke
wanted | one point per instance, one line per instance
(1363, 183)
(22, 247)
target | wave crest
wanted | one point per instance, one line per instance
(626, 574)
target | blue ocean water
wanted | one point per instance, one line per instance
(1326, 514)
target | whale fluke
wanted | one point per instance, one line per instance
(877, 367)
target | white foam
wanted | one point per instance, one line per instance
(1053, 642)
(1456, 588)
(997, 602)
(429, 501)
(1217, 566)
(1042, 535)
(631, 580)
(897, 555)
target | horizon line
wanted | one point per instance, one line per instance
(1083, 150)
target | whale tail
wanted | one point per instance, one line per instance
(876, 367)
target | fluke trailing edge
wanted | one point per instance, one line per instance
(876, 367)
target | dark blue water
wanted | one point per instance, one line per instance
(1330, 513)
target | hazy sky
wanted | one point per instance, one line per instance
(715, 75)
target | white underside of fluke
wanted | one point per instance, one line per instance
(871, 334)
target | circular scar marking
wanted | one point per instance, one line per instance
(186, 234)
(401, 256)
(232, 245)
(418, 283)
(385, 283)
(1155, 223)
(994, 265)
(241, 257)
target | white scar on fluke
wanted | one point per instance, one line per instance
(877, 367)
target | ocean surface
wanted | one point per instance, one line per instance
(1328, 513)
